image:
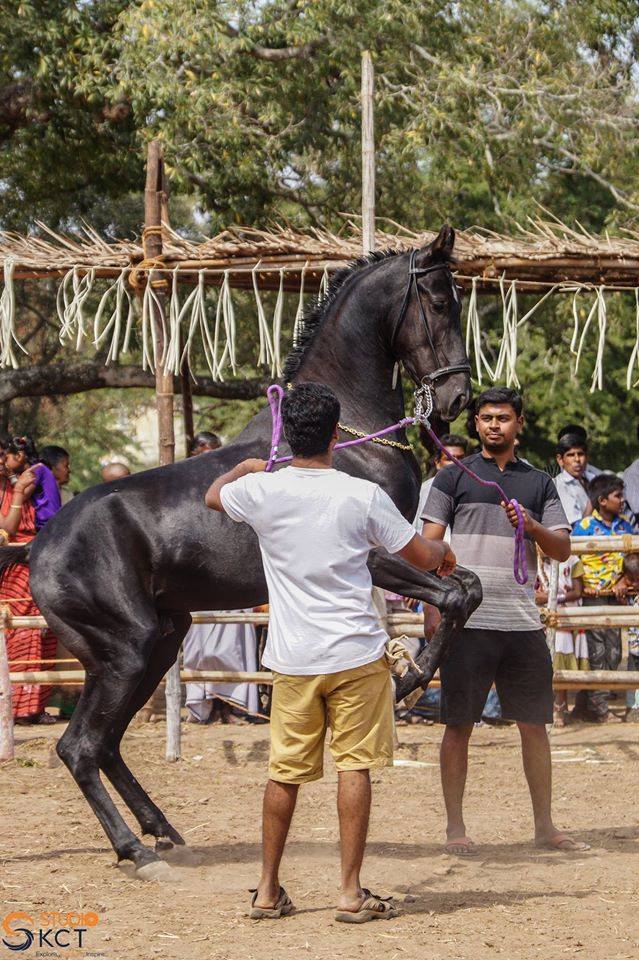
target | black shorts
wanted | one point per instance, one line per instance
(517, 662)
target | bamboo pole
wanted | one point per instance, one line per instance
(620, 543)
(6, 712)
(62, 677)
(562, 679)
(155, 206)
(553, 590)
(368, 153)
(577, 618)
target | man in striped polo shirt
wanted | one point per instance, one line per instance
(503, 642)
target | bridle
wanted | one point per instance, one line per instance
(427, 382)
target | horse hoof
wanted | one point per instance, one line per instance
(162, 844)
(157, 870)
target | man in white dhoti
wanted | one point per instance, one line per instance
(220, 646)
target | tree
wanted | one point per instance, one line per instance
(481, 111)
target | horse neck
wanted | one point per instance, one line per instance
(348, 355)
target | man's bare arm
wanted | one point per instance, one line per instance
(212, 496)
(429, 555)
(554, 543)
(433, 531)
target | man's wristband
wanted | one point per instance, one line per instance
(16, 506)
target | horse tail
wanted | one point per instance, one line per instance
(14, 554)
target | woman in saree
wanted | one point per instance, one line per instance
(27, 647)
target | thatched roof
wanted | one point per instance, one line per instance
(540, 253)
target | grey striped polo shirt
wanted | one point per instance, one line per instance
(483, 539)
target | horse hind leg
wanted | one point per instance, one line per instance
(85, 742)
(151, 819)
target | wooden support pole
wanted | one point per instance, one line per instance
(155, 206)
(368, 153)
(6, 712)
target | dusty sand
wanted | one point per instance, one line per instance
(512, 899)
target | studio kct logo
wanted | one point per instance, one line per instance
(47, 930)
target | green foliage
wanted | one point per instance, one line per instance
(482, 112)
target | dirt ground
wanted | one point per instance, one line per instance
(512, 899)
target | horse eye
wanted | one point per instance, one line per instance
(439, 305)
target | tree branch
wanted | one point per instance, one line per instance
(302, 52)
(62, 379)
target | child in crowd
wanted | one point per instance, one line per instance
(629, 583)
(571, 647)
(603, 585)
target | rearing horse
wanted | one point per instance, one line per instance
(118, 571)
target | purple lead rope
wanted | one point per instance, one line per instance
(275, 394)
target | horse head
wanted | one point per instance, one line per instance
(426, 335)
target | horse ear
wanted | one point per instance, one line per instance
(441, 248)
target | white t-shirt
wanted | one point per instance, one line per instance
(316, 528)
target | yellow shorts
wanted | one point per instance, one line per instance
(355, 705)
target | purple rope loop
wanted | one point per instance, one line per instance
(275, 394)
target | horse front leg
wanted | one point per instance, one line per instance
(456, 597)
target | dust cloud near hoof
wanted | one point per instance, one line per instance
(158, 870)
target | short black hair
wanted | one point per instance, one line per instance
(205, 438)
(568, 441)
(451, 440)
(52, 455)
(500, 396)
(602, 486)
(631, 564)
(310, 413)
(575, 430)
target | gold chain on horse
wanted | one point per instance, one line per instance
(382, 440)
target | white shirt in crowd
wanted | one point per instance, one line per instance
(573, 496)
(316, 528)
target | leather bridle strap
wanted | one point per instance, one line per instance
(412, 289)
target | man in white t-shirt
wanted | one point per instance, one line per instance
(316, 526)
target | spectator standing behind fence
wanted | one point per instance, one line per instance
(115, 471)
(27, 647)
(631, 488)
(203, 442)
(571, 647)
(576, 430)
(602, 584)
(219, 646)
(57, 459)
(572, 456)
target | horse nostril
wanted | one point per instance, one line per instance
(458, 404)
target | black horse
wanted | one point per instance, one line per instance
(118, 571)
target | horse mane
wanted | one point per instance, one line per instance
(313, 321)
